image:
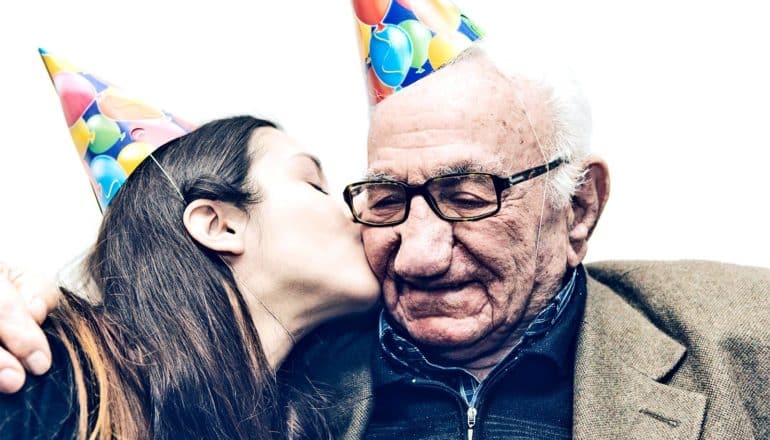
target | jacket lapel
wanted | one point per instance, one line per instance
(620, 362)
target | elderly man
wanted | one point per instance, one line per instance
(477, 211)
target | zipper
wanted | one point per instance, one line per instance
(471, 412)
(471, 421)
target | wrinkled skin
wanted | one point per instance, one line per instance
(466, 291)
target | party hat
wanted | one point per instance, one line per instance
(113, 132)
(403, 41)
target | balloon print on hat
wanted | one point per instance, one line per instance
(106, 133)
(55, 65)
(444, 47)
(371, 12)
(75, 93)
(113, 132)
(81, 136)
(391, 54)
(155, 131)
(404, 41)
(420, 37)
(379, 90)
(438, 15)
(365, 38)
(115, 104)
(133, 154)
(109, 176)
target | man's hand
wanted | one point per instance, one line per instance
(25, 301)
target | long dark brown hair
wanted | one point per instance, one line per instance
(169, 350)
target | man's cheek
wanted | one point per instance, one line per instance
(390, 296)
(379, 243)
(491, 242)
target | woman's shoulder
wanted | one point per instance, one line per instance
(47, 405)
(339, 350)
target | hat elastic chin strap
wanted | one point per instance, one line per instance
(168, 177)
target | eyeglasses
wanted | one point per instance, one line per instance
(457, 197)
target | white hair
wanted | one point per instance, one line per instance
(568, 107)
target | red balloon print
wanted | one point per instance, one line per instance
(75, 93)
(378, 90)
(371, 12)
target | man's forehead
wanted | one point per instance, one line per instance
(466, 117)
(457, 96)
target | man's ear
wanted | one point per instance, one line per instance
(587, 206)
(216, 225)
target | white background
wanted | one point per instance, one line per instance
(679, 90)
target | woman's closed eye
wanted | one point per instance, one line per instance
(318, 187)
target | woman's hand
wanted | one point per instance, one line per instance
(25, 301)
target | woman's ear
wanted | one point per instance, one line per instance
(216, 225)
(587, 206)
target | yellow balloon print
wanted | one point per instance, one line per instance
(81, 136)
(365, 36)
(445, 47)
(133, 154)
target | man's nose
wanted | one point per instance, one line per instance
(425, 250)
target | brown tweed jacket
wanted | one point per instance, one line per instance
(666, 350)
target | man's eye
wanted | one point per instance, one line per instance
(318, 187)
(470, 203)
(467, 201)
(387, 203)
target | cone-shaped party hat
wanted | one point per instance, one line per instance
(403, 41)
(113, 132)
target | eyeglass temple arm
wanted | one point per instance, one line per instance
(533, 172)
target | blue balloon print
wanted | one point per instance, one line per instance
(109, 175)
(391, 54)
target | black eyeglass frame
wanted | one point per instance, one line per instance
(501, 184)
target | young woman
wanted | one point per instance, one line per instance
(211, 262)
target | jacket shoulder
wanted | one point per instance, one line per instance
(685, 270)
(724, 303)
(690, 287)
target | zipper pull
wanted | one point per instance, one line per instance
(471, 421)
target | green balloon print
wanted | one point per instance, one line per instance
(105, 133)
(420, 36)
